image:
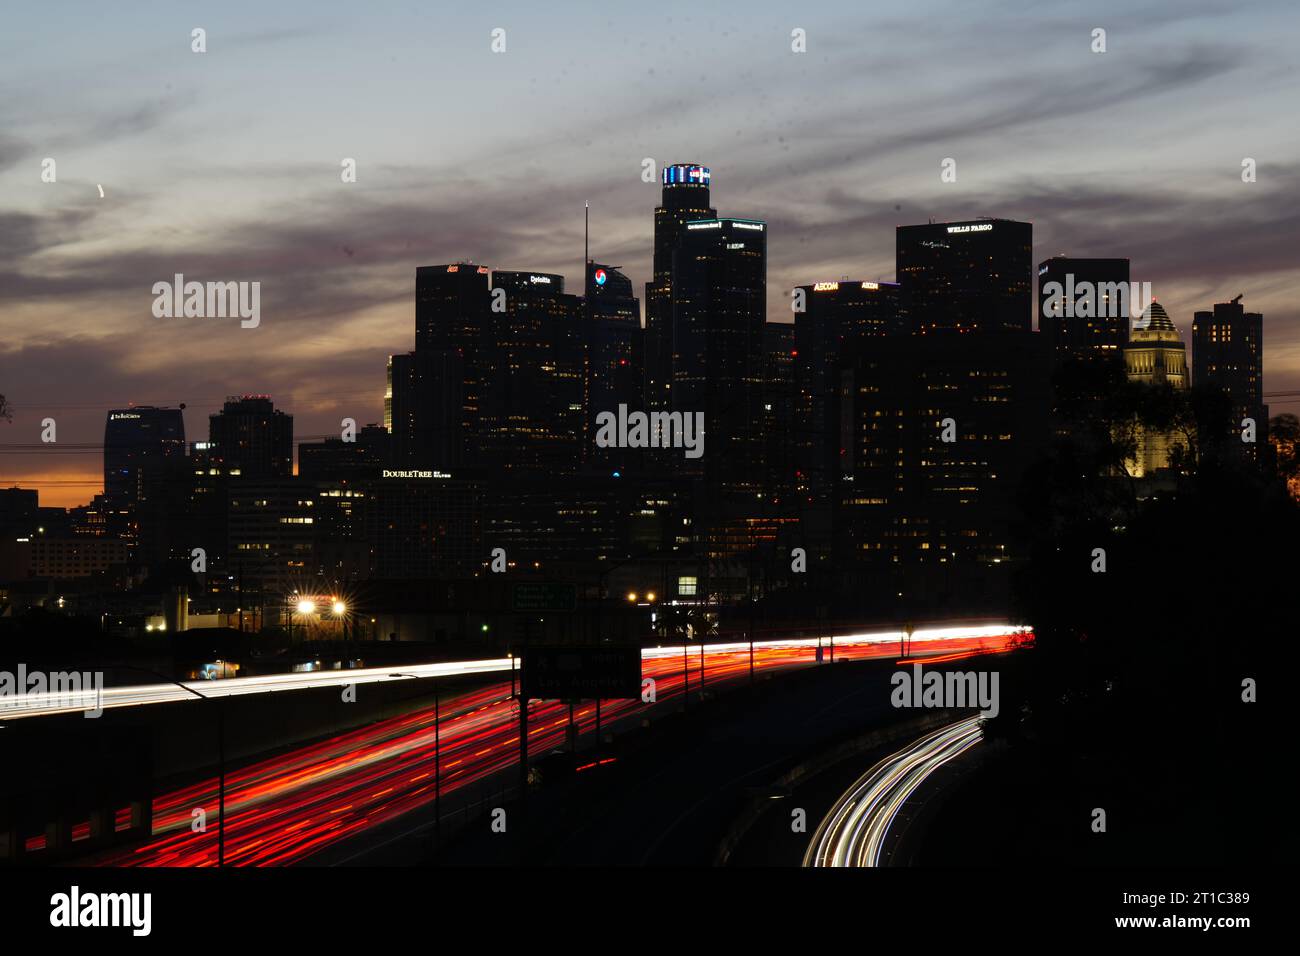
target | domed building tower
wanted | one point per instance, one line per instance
(1155, 355)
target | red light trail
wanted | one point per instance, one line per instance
(283, 809)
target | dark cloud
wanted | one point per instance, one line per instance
(833, 149)
(12, 150)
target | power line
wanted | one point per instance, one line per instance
(172, 403)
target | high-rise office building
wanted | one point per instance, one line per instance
(685, 197)
(777, 400)
(531, 414)
(424, 410)
(249, 438)
(719, 297)
(336, 460)
(270, 534)
(421, 525)
(614, 357)
(559, 526)
(1228, 352)
(186, 508)
(967, 276)
(452, 325)
(1084, 306)
(450, 307)
(138, 443)
(936, 432)
(838, 319)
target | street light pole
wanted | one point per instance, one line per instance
(686, 670)
(437, 764)
(702, 670)
(221, 783)
(749, 596)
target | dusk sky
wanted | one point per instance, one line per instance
(225, 166)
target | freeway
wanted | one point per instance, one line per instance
(853, 832)
(20, 705)
(283, 809)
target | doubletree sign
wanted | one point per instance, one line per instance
(581, 673)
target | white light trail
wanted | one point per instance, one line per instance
(38, 705)
(853, 832)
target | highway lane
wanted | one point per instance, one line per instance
(283, 809)
(15, 706)
(853, 832)
(136, 695)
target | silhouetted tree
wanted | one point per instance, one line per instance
(1137, 674)
(1284, 436)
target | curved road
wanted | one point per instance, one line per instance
(853, 832)
(285, 808)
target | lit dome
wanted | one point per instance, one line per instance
(1155, 319)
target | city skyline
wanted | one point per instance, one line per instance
(483, 440)
(336, 266)
(60, 493)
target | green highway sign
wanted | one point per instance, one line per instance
(548, 596)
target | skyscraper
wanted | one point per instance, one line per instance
(450, 307)
(614, 355)
(337, 460)
(936, 432)
(966, 276)
(837, 320)
(249, 438)
(1228, 352)
(719, 299)
(138, 443)
(1083, 306)
(452, 332)
(532, 416)
(778, 412)
(424, 409)
(685, 197)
